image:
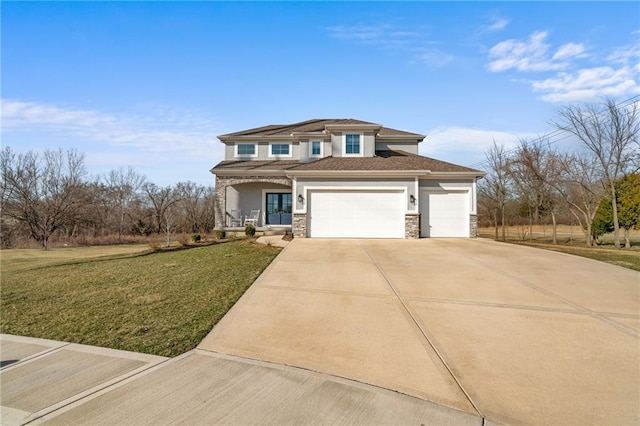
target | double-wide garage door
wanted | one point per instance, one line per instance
(356, 214)
(444, 214)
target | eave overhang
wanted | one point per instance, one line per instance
(418, 138)
(245, 172)
(372, 127)
(355, 173)
(256, 138)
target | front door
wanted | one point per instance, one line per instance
(278, 208)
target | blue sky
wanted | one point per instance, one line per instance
(151, 84)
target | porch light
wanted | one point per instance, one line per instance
(412, 199)
(300, 198)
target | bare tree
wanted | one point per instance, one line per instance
(494, 187)
(611, 133)
(581, 188)
(124, 187)
(161, 201)
(44, 193)
(535, 168)
(191, 205)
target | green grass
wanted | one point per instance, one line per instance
(161, 303)
(622, 257)
(572, 241)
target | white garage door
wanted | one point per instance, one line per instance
(444, 214)
(356, 214)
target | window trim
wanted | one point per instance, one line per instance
(311, 154)
(272, 155)
(255, 150)
(344, 145)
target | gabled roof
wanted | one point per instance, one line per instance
(315, 125)
(383, 161)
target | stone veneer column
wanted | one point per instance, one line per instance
(411, 226)
(473, 226)
(220, 204)
(299, 225)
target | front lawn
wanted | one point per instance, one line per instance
(621, 257)
(158, 303)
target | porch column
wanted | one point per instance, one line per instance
(220, 204)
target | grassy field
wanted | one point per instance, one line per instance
(572, 241)
(161, 303)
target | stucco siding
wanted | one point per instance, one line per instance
(410, 147)
(369, 143)
(336, 144)
(446, 183)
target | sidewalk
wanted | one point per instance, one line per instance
(43, 381)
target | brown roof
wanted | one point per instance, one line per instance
(257, 165)
(315, 125)
(383, 161)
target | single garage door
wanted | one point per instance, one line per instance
(356, 214)
(444, 214)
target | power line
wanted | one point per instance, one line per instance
(548, 137)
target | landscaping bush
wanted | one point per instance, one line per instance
(250, 231)
(183, 240)
(154, 244)
(196, 238)
(220, 235)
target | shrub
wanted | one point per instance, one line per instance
(154, 244)
(220, 234)
(250, 231)
(183, 240)
(196, 238)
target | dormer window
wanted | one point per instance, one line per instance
(353, 144)
(280, 150)
(315, 149)
(246, 150)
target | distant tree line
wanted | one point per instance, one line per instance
(597, 187)
(51, 196)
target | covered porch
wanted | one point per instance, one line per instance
(263, 202)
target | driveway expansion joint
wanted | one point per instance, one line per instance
(417, 324)
(620, 327)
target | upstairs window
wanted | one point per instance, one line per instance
(246, 150)
(316, 149)
(352, 144)
(280, 150)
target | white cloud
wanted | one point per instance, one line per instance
(433, 57)
(570, 50)
(498, 24)
(615, 76)
(450, 138)
(415, 43)
(589, 84)
(529, 55)
(167, 131)
(625, 54)
(363, 33)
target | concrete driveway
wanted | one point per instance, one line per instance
(513, 334)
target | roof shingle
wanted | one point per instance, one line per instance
(383, 161)
(315, 125)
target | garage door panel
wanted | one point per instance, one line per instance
(356, 214)
(445, 214)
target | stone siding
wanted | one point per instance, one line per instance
(222, 182)
(299, 226)
(411, 226)
(473, 226)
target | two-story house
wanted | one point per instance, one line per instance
(342, 178)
